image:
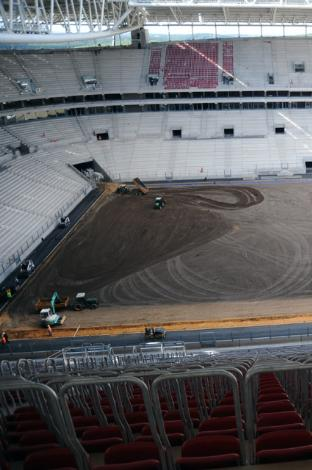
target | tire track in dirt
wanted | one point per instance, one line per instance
(127, 236)
(189, 285)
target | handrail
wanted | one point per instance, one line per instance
(275, 367)
(203, 373)
(113, 381)
(19, 384)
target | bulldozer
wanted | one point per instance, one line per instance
(159, 202)
(81, 302)
(48, 315)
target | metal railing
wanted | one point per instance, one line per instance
(296, 379)
(48, 404)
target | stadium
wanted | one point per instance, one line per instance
(156, 234)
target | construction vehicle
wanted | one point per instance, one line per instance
(64, 222)
(159, 202)
(81, 302)
(50, 318)
(55, 303)
(48, 315)
(140, 186)
(26, 268)
(157, 333)
(122, 189)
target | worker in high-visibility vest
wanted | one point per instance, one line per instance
(9, 293)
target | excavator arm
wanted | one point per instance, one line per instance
(54, 298)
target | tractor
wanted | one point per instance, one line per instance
(81, 302)
(159, 202)
(156, 334)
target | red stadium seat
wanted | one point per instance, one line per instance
(174, 431)
(222, 425)
(100, 444)
(268, 422)
(175, 416)
(282, 446)
(150, 464)
(104, 432)
(51, 459)
(273, 406)
(223, 410)
(209, 452)
(272, 397)
(131, 452)
(137, 420)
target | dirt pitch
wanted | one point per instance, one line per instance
(228, 254)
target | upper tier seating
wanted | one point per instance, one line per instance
(228, 60)
(191, 65)
(155, 57)
(186, 65)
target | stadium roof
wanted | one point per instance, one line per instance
(227, 11)
(66, 20)
(50, 21)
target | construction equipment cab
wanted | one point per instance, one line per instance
(64, 222)
(155, 333)
(26, 269)
(123, 189)
(81, 302)
(49, 318)
(159, 202)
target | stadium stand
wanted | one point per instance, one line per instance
(146, 141)
(49, 132)
(228, 60)
(34, 193)
(190, 64)
(194, 110)
(7, 141)
(155, 58)
(105, 410)
(144, 144)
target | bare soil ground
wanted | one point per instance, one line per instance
(214, 254)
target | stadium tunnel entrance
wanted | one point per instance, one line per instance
(94, 167)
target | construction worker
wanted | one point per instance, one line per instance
(50, 332)
(9, 293)
(5, 336)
